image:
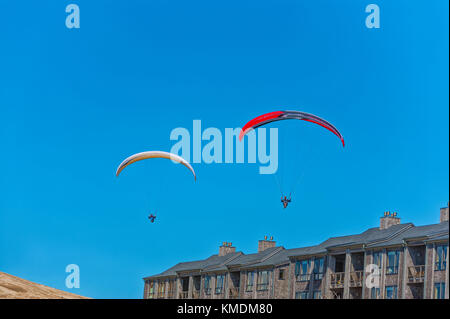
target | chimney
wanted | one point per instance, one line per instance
(444, 214)
(389, 219)
(265, 243)
(226, 249)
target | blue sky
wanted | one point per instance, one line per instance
(75, 103)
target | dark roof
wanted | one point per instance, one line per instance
(279, 258)
(427, 232)
(304, 251)
(253, 258)
(438, 238)
(372, 235)
(210, 262)
(220, 262)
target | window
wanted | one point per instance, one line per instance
(219, 284)
(440, 262)
(301, 295)
(378, 258)
(185, 284)
(302, 270)
(318, 269)
(317, 294)
(161, 289)
(281, 274)
(439, 290)
(250, 280)
(391, 292)
(393, 258)
(263, 280)
(151, 288)
(171, 288)
(375, 293)
(207, 284)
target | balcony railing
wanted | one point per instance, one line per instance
(170, 294)
(234, 293)
(264, 286)
(318, 276)
(356, 279)
(440, 265)
(391, 270)
(161, 295)
(183, 295)
(416, 273)
(196, 294)
(337, 280)
(303, 277)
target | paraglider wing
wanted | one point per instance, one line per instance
(286, 115)
(154, 154)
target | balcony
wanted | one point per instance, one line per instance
(356, 278)
(234, 293)
(183, 295)
(337, 280)
(391, 270)
(261, 287)
(416, 274)
(171, 294)
(161, 295)
(196, 294)
(303, 277)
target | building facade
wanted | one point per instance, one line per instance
(392, 261)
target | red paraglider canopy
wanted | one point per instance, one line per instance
(286, 115)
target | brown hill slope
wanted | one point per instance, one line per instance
(12, 287)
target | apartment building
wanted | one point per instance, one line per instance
(392, 261)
